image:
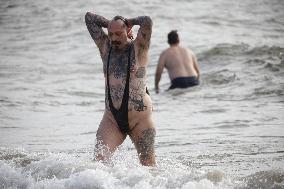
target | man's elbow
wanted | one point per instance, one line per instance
(158, 76)
(88, 17)
(147, 21)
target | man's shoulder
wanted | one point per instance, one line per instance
(189, 49)
(165, 52)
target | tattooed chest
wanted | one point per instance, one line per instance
(117, 73)
(118, 65)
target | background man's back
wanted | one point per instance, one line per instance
(179, 62)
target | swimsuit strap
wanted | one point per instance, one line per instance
(108, 90)
(109, 97)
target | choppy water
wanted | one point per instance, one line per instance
(226, 133)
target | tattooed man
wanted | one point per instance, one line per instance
(128, 106)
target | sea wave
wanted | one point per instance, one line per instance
(242, 49)
(273, 179)
(20, 169)
(220, 77)
(237, 66)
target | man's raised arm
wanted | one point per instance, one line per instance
(144, 32)
(95, 23)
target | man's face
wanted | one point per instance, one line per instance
(117, 34)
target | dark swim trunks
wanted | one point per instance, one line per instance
(184, 82)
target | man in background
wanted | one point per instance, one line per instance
(181, 64)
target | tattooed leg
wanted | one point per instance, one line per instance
(144, 139)
(145, 146)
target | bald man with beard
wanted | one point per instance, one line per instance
(128, 106)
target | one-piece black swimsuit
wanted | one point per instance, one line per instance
(120, 115)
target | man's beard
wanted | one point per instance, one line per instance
(116, 43)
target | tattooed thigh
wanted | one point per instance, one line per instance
(145, 144)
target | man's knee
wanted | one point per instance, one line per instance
(101, 148)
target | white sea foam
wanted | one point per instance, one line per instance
(225, 133)
(66, 171)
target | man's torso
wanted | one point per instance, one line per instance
(139, 104)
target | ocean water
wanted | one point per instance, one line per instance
(227, 133)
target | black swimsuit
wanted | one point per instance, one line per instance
(121, 115)
(184, 82)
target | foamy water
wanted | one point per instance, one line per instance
(226, 133)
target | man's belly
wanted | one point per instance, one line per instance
(136, 115)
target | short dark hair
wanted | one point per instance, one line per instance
(173, 37)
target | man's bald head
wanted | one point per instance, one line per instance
(119, 21)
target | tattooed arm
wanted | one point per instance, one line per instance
(95, 23)
(144, 32)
